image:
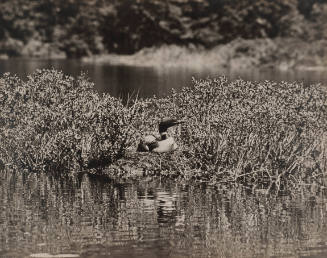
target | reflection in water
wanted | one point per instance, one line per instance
(153, 218)
(148, 81)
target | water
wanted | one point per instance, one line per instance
(148, 81)
(97, 217)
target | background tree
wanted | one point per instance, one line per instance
(86, 27)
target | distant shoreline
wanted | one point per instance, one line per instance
(280, 53)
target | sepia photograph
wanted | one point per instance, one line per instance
(163, 128)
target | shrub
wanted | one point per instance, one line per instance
(263, 134)
(54, 122)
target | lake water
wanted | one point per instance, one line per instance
(149, 81)
(95, 217)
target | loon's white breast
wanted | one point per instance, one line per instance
(166, 145)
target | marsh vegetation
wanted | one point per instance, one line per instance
(264, 135)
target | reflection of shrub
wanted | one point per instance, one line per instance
(258, 133)
(54, 122)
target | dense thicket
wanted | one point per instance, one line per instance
(54, 122)
(262, 134)
(76, 28)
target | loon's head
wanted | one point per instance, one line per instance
(166, 123)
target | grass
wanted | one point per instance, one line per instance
(267, 135)
(56, 123)
(264, 135)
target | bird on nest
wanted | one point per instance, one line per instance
(151, 143)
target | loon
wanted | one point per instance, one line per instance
(160, 144)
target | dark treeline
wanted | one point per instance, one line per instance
(76, 28)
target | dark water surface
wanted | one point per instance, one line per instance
(94, 217)
(148, 81)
